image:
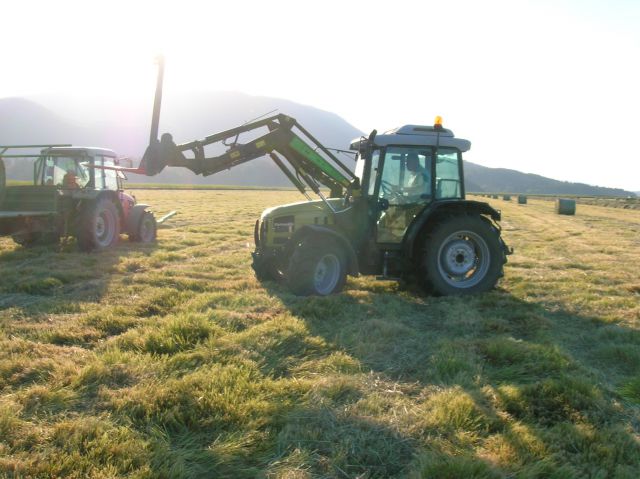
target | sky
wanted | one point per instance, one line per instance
(547, 87)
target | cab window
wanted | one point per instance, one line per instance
(65, 172)
(110, 176)
(448, 184)
(361, 173)
(405, 183)
(406, 177)
(375, 160)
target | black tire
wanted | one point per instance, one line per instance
(261, 271)
(270, 269)
(146, 230)
(29, 240)
(99, 226)
(316, 267)
(462, 255)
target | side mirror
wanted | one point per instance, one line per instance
(383, 204)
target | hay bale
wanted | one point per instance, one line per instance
(506, 197)
(565, 206)
(522, 199)
(495, 197)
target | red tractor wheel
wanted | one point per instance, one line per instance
(99, 226)
(146, 230)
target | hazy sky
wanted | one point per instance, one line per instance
(549, 86)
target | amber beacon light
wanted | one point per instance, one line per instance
(437, 123)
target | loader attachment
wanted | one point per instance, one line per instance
(160, 154)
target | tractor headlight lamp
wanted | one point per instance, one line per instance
(263, 231)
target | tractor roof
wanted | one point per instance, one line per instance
(75, 150)
(417, 135)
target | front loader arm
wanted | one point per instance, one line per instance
(300, 156)
(292, 153)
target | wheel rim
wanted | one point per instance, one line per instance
(327, 274)
(104, 228)
(463, 259)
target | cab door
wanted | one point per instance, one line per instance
(404, 187)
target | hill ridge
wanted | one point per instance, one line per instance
(124, 128)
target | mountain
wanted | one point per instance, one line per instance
(192, 116)
(124, 128)
(26, 122)
(482, 179)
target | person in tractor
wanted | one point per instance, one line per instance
(416, 176)
(70, 180)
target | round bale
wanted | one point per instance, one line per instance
(495, 197)
(506, 197)
(522, 199)
(565, 206)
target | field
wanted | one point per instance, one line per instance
(172, 360)
(627, 203)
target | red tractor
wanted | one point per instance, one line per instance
(76, 191)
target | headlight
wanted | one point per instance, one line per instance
(256, 233)
(263, 231)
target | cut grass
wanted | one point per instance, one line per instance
(172, 360)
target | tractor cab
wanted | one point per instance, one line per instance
(404, 170)
(78, 168)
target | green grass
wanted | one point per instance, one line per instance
(172, 360)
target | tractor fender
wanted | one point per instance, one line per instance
(316, 230)
(84, 197)
(431, 214)
(134, 217)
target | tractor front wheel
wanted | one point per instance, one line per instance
(269, 269)
(99, 226)
(462, 255)
(146, 230)
(316, 267)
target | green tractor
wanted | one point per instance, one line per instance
(401, 214)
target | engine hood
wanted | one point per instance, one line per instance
(312, 208)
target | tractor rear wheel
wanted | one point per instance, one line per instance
(146, 230)
(316, 267)
(462, 256)
(99, 226)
